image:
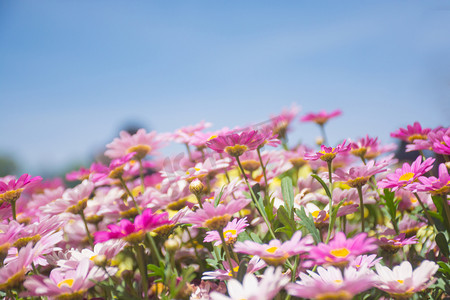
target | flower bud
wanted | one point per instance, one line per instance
(197, 187)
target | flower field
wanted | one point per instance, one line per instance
(238, 215)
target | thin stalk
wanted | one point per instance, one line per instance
(13, 207)
(129, 193)
(446, 208)
(199, 200)
(324, 136)
(142, 268)
(196, 251)
(425, 210)
(141, 174)
(330, 206)
(153, 248)
(255, 201)
(263, 167)
(361, 206)
(189, 152)
(227, 252)
(83, 217)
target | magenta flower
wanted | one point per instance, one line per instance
(436, 186)
(132, 232)
(236, 144)
(11, 190)
(403, 177)
(411, 133)
(321, 117)
(435, 135)
(341, 250)
(328, 153)
(230, 232)
(275, 253)
(330, 283)
(141, 142)
(114, 171)
(440, 142)
(402, 282)
(214, 218)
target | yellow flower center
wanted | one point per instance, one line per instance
(235, 269)
(271, 250)
(67, 282)
(141, 151)
(400, 281)
(406, 176)
(236, 150)
(231, 232)
(341, 253)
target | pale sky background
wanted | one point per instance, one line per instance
(72, 73)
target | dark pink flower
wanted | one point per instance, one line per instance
(11, 190)
(321, 117)
(328, 153)
(403, 177)
(411, 133)
(236, 144)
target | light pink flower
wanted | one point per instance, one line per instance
(340, 250)
(359, 175)
(230, 232)
(13, 273)
(214, 217)
(250, 289)
(406, 175)
(402, 281)
(184, 134)
(330, 283)
(275, 253)
(254, 265)
(141, 142)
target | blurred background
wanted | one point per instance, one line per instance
(74, 73)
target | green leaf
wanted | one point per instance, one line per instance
(284, 229)
(285, 219)
(308, 223)
(218, 197)
(288, 195)
(442, 242)
(324, 185)
(255, 237)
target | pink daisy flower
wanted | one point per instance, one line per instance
(250, 289)
(360, 175)
(436, 186)
(403, 177)
(230, 232)
(411, 133)
(440, 143)
(132, 232)
(254, 265)
(280, 123)
(11, 190)
(341, 250)
(330, 283)
(141, 142)
(214, 217)
(362, 146)
(13, 273)
(66, 284)
(275, 253)
(364, 261)
(321, 117)
(115, 169)
(392, 245)
(236, 144)
(427, 144)
(184, 134)
(402, 281)
(328, 153)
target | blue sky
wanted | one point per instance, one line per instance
(72, 73)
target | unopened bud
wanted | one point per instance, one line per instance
(171, 245)
(197, 187)
(100, 260)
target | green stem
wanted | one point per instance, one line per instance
(129, 193)
(361, 206)
(425, 210)
(255, 200)
(446, 209)
(153, 249)
(141, 174)
(227, 252)
(189, 152)
(142, 268)
(330, 205)
(324, 136)
(13, 207)
(263, 167)
(199, 200)
(87, 229)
